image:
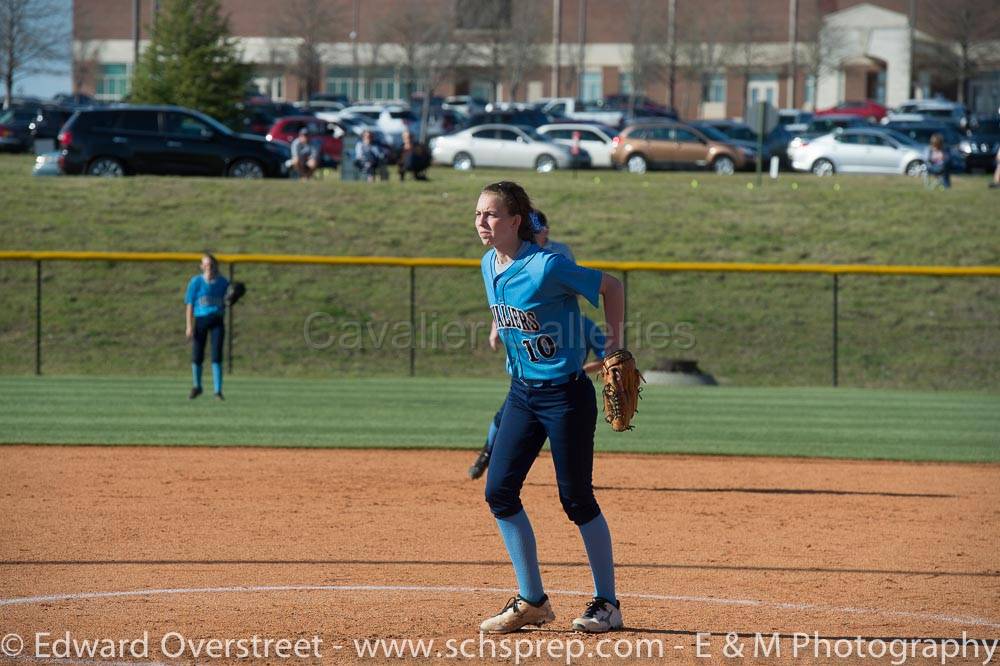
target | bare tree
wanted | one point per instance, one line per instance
(31, 40)
(822, 44)
(746, 46)
(644, 59)
(85, 48)
(969, 30)
(699, 50)
(311, 23)
(427, 51)
(513, 41)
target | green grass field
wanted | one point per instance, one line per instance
(438, 413)
(748, 330)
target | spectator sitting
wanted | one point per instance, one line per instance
(369, 157)
(937, 161)
(413, 157)
(305, 156)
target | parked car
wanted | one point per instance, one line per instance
(392, 120)
(644, 107)
(287, 129)
(574, 109)
(498, 145)
(125, 140)
(736, 134)
(794, 120)
(671, 145)
(467, 105)
(594, 138)
(258, 114)
(981, 144)
(48, 121)
(521, 117)
(867, 109)
(921, 133)
(859, 150)
(15, 135)
(826, 124)
(940, 110)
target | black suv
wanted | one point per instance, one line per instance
(121, 140)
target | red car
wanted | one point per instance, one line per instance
(868, 109)
(287, 129)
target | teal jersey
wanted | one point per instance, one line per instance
(208, 298)
(534, 305)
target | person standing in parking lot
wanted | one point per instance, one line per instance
(204, 315)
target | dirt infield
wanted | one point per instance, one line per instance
(380, 544)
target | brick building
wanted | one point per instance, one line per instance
(707, 58)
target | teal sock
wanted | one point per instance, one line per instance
(217, 377)
(597, 541)
(520, 541)
(196, 375)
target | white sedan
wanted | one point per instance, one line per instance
(595, 139)
(503, 146)
(858, 151)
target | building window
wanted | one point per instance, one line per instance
(339, 81)
(713, 88)
(810, 91)
(481, 89)
(591, 86)
(624, 83)
(482, 14)
(113, 82)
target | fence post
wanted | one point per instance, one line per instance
(413, 320)
(38, 317)
(232, 331)
(624, 341)
(835, 317)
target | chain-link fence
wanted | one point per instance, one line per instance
(117, 313)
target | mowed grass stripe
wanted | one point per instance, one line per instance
(424, 412)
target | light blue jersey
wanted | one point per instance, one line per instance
(534, 305)
(208, 298)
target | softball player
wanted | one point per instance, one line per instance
(594, 341)
(593, 336)
(532, 294)
(204, 312)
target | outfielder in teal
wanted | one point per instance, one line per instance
(532, 294)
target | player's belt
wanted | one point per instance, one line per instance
(558, 381)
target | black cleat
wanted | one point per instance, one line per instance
(479, 467)
(195, 392)
(218, 396)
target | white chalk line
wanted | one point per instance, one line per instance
(79, 596)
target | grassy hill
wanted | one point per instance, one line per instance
(106, 318)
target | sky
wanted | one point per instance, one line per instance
(47, 85)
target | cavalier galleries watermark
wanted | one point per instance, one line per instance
(428, 331)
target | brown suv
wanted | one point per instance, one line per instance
(665, 145)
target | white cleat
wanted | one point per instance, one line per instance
(518, 613)
(601, 616)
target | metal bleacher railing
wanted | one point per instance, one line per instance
(412, 264)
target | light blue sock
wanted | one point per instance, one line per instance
(217, 377)
(520, 541)
(196, 375)
(597, 541)
(492, 435)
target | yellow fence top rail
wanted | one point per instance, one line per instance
(446, 262)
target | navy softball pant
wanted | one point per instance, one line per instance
(567, 415)
(214, 327)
